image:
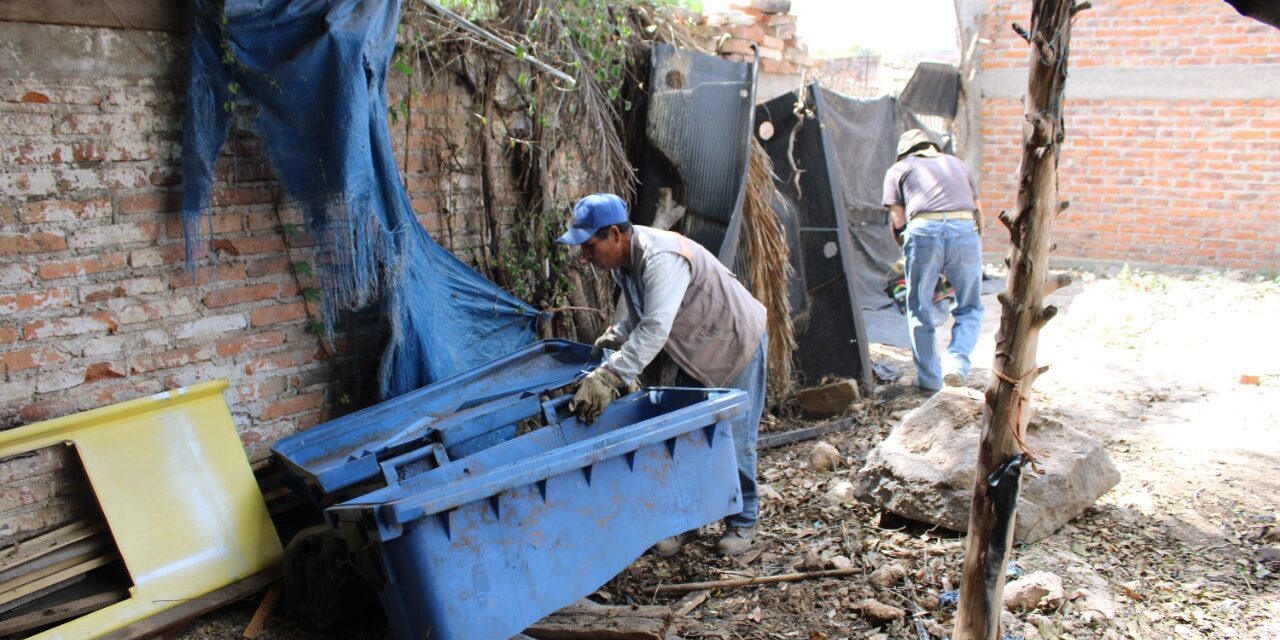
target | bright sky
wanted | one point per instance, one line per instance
(891, 27)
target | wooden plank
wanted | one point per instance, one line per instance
(773, 440)
(28, 550)
(689, 602)
(31, 597)
(83, 549)
(49, 566)
(60, 612)
(259, 620)
(79, 568)
(600, 622)
(162, 15)
(195, 607)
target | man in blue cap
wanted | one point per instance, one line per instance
(677, 297)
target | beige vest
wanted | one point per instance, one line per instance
(719, 324)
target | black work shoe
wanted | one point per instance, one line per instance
(668, 547)
(736, 540)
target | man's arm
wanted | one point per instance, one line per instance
(623, 322)
(977, 202)
(893, 199)
(666, 277)
(897, 220)
(977, 213)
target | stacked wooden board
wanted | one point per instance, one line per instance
(59, 575)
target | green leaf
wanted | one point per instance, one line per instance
(402, 67)
(316, 327)
(311, 293)
(234, 88)
(291, 230)
(302, 268)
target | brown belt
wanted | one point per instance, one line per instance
(963, 214)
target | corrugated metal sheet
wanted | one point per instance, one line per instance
(698, 128)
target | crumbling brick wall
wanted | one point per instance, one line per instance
(1172, 155)
(96, 303)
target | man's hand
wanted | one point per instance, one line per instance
(595, 393)
(606, 341)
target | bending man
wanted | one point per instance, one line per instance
(933, 202)
(675, 296)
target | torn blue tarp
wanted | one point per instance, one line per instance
(314, 71)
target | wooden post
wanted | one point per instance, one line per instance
(1001, 450)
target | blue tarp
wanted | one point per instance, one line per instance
(315, 71)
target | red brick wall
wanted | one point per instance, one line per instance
(96, 303)
(1164, 182)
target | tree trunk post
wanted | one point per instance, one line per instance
(1002, 451)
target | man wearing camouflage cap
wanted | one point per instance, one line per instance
(936, 216)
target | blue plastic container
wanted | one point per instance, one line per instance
(348, 451)
(484, 546)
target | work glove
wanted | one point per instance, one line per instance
(606, 341)
(595, 393)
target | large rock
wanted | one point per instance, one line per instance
(1034, 590)
(827, 400)
(924, 470)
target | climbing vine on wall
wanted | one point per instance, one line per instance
(549, 129)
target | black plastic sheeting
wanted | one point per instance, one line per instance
(697, 143)
(933, 90)
(841, 247)
(1264, 11)
(831, 339)
(865, 134)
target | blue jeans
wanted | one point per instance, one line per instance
(746, 433)
(950, 247)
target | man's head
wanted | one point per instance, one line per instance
(600, 227)
(916, 142)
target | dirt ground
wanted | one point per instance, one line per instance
(1179, 376)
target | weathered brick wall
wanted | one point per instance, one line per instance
(1172, 155)
(96, 303)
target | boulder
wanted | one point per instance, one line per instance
(1034, 590)
(841, 492)
(888, 576)
(823, 457)
(877, 612)
(924, 469)
(1094, 605)
(827, 400)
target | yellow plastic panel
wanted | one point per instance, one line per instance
(177, 492)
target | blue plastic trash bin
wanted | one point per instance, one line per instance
(346, 452)
(482, 547)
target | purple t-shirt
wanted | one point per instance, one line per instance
(940, 183)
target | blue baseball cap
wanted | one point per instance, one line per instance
(593, 213)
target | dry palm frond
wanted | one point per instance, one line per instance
(764, 243)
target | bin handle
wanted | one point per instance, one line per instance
(391, 468)
(551, 408)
